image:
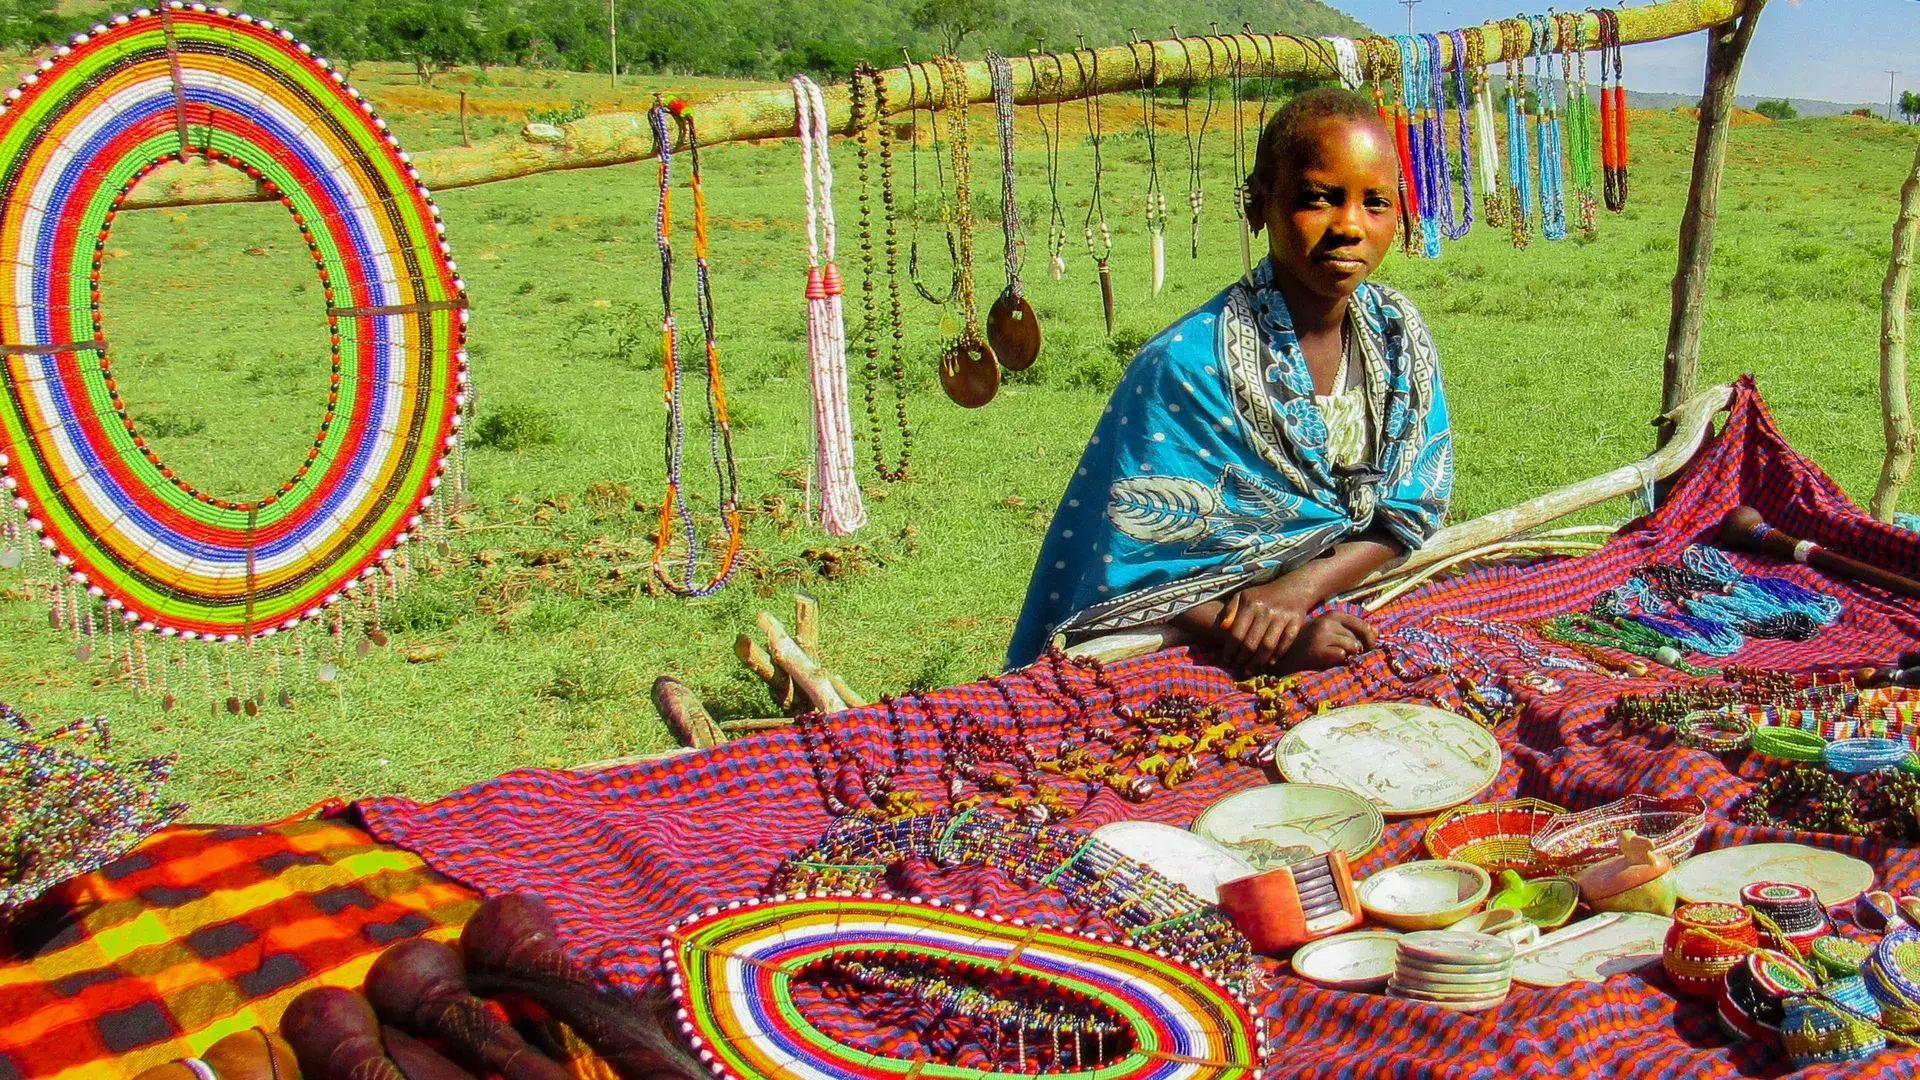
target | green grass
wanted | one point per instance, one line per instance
(536, 642)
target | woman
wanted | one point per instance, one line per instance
(1273, 447)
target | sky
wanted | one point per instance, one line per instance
(1828, 50)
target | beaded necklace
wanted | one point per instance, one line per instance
(1422, 132)
(1455, 228)
(1553, 204)
(1013, 331)
(1156, 208)
(940, 191)
(1240, 158)
(1519, 170)
(1579, 119)
(869, 118)
(1396, 122)
(1494, 195)
(1050, 138)
(1097, 205)
(719, 432)
(834, 473)
(968, 371)
(1196, 144)
(1613, 114)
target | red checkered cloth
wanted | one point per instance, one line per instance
(200, 932)
(621, 853)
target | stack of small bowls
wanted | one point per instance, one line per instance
(1453, 969)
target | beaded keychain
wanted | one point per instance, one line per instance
(867, 90)
(1050, 139)
(719, 432)
(940, 192)
(1156, 207)
(834, 472)
(1097, 204)
(1553, 201)
(1613, 114)
(1519, 169)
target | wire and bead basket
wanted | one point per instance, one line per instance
(1493, 836)
(1571, 842)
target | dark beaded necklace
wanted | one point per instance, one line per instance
(870, 123)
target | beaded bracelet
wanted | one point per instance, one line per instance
(1708, 729)
(1787, 744)
(1854, 756)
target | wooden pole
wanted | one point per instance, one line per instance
(465, 139)
(613, 49)
(1725, 49)
(620, 138)
(1896, 411)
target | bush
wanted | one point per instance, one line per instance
(1781, 109)
(516, 426)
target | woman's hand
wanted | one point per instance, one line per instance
(1262, 622)
(1326, 642)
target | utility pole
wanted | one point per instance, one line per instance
(1891, 72)
(1409, 6)
(613, 50)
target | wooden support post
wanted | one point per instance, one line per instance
(1896, 412)
(686, 717)
(1726, 46)
(465, 140)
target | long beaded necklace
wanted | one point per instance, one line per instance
(1454, 228)
(1423, 138)
(1495, 196)
(719, 432)
(835, 472)
(968, 371)
(1050, 138)
(1013, 331)
(1196, 142)
(1553, 190)
(1156, 208)
(1579, 120)
(1519, 171)
(1613, 115)
(940, 192)
(1097, 205)
(870, 123)
(1396, 122)
(1240, 157)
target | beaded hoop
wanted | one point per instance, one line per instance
(1853, 756)
(1069, 1000)
(75, 139)
(1710, 729)
(1787, 744)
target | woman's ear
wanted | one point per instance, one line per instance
(1256, 205)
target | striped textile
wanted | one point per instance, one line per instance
(200, 932)
(621, 853)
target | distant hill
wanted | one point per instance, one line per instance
(1804, 106)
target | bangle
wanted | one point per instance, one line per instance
(1709, 729)
(1788, 743)
(1910, 765)
(1864, 755)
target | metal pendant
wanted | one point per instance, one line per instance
(1106, 292)
(968, 372)
(1013, 331)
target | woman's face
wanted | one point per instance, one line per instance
(1330, 217)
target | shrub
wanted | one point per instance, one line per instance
(1780, 109)
(516, 426)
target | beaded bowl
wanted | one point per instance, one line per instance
(1493, 836)
(1570, 842)
(1705, 942)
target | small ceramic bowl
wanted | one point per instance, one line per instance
(1501, 922)
(1425, 895)
(1359, 961)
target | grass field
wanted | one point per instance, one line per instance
(537, 642)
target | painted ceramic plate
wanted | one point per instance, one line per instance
(1194, 861)
(1404, 758)
(1720, 875)
(1592, 949)
(1361, 960)
(1424, 895)
(1283, 823)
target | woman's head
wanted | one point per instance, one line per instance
(1325, 186)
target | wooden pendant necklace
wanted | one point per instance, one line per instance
(940, 196)
(1196, 142)
(968, 371)
(719, 433)
(1097, 206)
(1050, 138)
(1013, 331)
(1156, 210)
(1613, 115)
(868, 91)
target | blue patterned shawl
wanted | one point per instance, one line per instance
(1209, 470)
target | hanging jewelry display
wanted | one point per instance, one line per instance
(867, 90)
(1196, 142)
(835, 475)
(1096, 204)
(1383, 56)
(1553, 189)
(1453, 228)
(1007, 997)
(1513, 34)
(968, 372)
(1156, 208)
(1493, 196)
(1346, 61)
(1013, 331)
(1423, 139)
(1613, 114)
(940, 188)
(1240, 159)
(1579, 120)
(1050, 138)
(125, 542)
(719, 432)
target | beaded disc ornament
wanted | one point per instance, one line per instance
(1017, 998)
(76, 137)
